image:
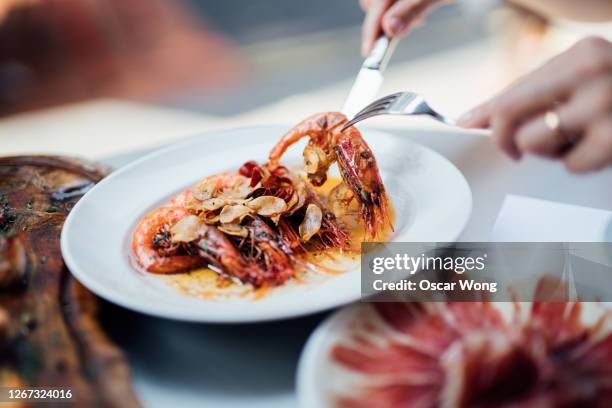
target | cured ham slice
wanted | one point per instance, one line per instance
(478, 354)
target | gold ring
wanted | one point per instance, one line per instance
(552, 120)
(553, 123)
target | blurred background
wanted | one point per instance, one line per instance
(96, 77)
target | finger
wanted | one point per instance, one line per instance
(371, 24)
(592, 100)
(531, 97)
(499, 130)
(595, 150)
(536, 92)
(555, 80)
(480, 116)
(536, 137)
(477, 118)
(405, 15)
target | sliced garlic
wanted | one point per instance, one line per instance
(300, 194)
(205, 189)
(340, 197)
(210, 218)
(267, 205)
(213, 203)
(234, 213)
(218, 202)
(313, 157)
(239, 188)
(293, 200)
(311, 223)
(186, 230)
(234, 229)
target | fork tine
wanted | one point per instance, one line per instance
(378, 107)
(391, 96)
(366, 109)
(359, 118)
(375, 106)
(400, 103)
(389, 99)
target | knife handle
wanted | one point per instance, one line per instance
(381, 52)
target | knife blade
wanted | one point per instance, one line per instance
(370, 76)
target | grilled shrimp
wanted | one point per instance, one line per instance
(277, 181)
(358, 168)
(332, 234)
(153, 247)
(181, 199)
(218, 251)
(157, 252)
(270, 250)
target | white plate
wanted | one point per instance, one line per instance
(431, 198)
(320, 379)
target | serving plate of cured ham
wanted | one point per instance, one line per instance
(460, 354)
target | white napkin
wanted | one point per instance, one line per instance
(525, 219)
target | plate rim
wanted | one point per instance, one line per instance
(308, 395)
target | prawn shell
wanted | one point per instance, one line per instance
(143, 247)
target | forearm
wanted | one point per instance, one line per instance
(579, 10)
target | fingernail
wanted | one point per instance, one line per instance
(396, 26)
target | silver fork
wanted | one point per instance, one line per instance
(401, 103)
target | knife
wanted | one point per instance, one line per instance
(370, 76)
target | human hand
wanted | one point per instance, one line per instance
(562, 110)
(394, 17)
